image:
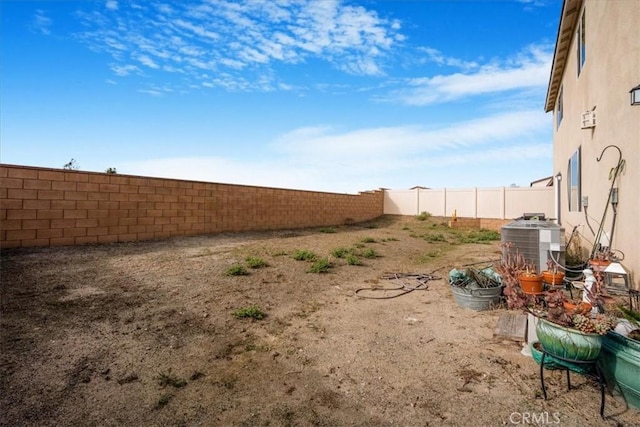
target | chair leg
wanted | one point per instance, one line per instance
(601, 381)
(544, 390)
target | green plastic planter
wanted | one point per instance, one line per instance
(620, 363)
(567, 343)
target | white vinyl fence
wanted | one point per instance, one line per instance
(499, 203)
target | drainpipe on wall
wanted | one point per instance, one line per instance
(556, 191)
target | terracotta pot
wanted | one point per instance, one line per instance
(571, 307)
(531, 283)
(597, 264)
(552, 278)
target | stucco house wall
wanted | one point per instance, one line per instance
(611, 68)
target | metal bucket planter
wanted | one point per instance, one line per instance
(567, 343)
(478, 299)
(476, 289)
(620, 363)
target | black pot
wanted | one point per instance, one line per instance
(574, 271)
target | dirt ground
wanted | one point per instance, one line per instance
(143, 334)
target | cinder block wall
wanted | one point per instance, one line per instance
(48, 207)
(486, 223)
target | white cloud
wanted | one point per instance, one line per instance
(246, 36)
(199, 30)
(124, 70)
(152, 92)
(41, 23)
(533, 3)
(528, 69)
(390, 142)
(323, 158)
(146, 60)
(435, 56)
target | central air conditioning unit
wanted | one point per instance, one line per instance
(536, 240)
(589, 119)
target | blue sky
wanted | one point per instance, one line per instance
(340, 96)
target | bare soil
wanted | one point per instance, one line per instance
(143, 334)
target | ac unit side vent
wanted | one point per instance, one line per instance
(534, 243)
(588, 119)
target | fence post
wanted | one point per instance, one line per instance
(444, 204)
(475, 202)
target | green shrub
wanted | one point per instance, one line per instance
(237, 270)
(438, 237)
(303, 255)
(341, 252)
(423, 216)
(368, 240)
(369, 253)
(328, 230)
(481, 236)
(322, 265)
(255, 262)
(352, 259)
(252, 312)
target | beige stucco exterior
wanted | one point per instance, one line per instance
(610, 70)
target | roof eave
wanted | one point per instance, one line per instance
(566, 29)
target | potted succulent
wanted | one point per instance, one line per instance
(519, 276)
(530, 281)
(551, 276)
(511, 266)
(574, 336)
(577, 307)
(571, 335)
(575, 261)
(600, 259)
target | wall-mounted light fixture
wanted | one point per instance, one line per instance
(635, 95)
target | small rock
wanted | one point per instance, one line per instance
(129, 378)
